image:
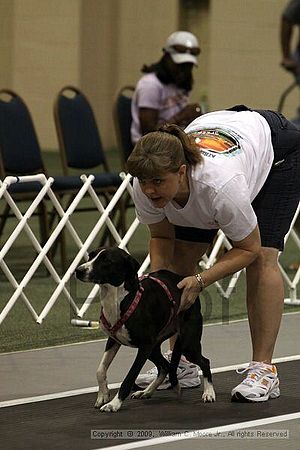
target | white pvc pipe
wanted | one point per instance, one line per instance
(90, 298)
(40, 178)
(232, 283)
(214, 253)
(95, 289)
(81, 252)
(144, 266)
(25, 217)
(129, 233)
(69, 225)
(83, 247)
(285, 276)
(122, 244)
(47, 262)
(101, 209)
(2, 188)
(296, 238)
(293, 222)
(49, 242)
(296, 278)
(15, 285)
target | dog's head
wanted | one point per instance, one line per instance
(109, 266)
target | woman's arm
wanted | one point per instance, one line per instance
(161, 244)
(241, 255)
(148, 119)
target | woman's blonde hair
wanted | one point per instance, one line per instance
(162, 151)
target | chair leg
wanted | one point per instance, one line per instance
(122, 209)
(4, 217)
(61, 239)
(63, 252)
(123, 205)
(43, 222)
(44, 227)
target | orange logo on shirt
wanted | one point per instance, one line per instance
(215, 141)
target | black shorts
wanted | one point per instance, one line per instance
(276, 203)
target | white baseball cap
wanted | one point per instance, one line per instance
(183, 47)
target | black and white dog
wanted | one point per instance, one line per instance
(142, 313)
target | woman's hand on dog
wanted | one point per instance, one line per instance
(191, 290)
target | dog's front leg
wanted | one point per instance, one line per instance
(110, 352)
(126, 387)
(163, 367)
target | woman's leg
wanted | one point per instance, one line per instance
(185, 261)
(265, 305)
(265, 298)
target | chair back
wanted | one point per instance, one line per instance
(122, 121)
(19, 146)
(78, 135)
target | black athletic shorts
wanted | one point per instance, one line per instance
(276, 203)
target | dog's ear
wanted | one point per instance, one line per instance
(132, 266)
(95, 252)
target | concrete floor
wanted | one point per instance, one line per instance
(72, 367)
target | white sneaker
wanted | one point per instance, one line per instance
(260, 384)
(187, 374)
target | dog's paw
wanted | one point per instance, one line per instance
(102, 399)
(112, 406)
(177, 390)
(141, 394)
(209, 396)
(109, 408)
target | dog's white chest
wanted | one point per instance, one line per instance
(122, 335)
(111, 298)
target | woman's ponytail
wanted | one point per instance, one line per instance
(191, 150)
(162, 151)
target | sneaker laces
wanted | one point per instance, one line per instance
(153, 370)
(255, 371)
(181, 366)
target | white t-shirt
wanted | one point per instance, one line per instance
(238, 155)
(150, 92)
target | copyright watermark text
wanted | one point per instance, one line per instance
(189, 434)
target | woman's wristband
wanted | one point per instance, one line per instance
(200, 280)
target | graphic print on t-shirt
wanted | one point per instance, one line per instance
(216, 142)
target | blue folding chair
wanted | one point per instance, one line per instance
(122, 122)
(20, 155)
(81, 146)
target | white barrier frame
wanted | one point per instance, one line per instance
(69, 272)
(19, 287)
(64, 221)
(104, 219)
(292, 284)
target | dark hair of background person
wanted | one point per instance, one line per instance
(165, 73)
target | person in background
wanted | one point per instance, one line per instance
(162, 94)
(289, 20)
